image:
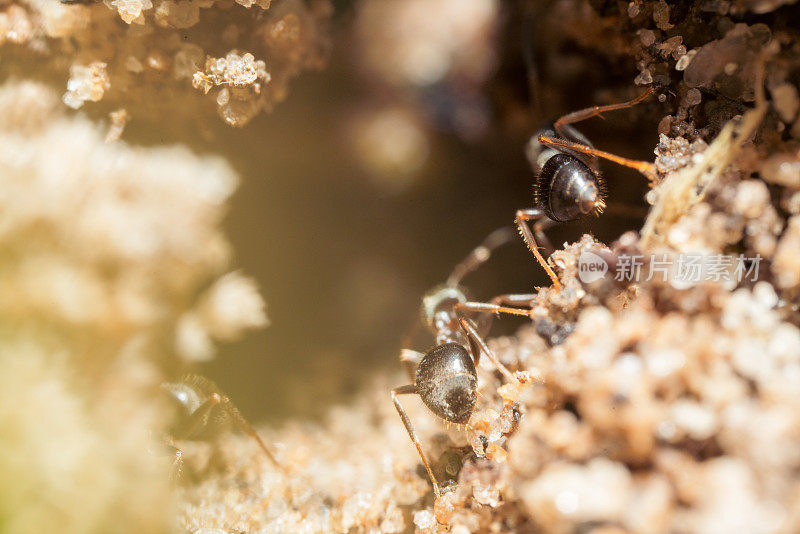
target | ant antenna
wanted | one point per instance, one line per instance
(479, 255)
(529, 57)
(596, 111)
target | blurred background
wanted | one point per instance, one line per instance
(166, 163)
(376, 175)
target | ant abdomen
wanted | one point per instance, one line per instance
(567, 189)
(447, 382)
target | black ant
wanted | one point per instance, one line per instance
(205, 413)
(445, 377)
(568, 186)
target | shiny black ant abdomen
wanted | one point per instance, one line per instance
(567, 189)
(567, 185)
(446, 381)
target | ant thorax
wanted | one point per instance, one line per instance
(539, 154)
(438, 313)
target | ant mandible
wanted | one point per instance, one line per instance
(445, 377)
(205, 412)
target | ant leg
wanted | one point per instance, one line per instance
(496, 306)
(644, 167)
(410, 390)
(176, 469)
(486, 307)
(538, 230)
(594, 111)
(410, 360)
(247, 428)
(409, 357)
(472, 332)
(479, 255)
(514, 299)
(499, 304)
(527, 235)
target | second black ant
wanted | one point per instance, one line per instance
(445, 377)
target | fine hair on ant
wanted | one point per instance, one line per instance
(205, 413)
(445, 377)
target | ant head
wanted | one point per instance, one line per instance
(447, 383)
(438, 307)
(568, 190)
